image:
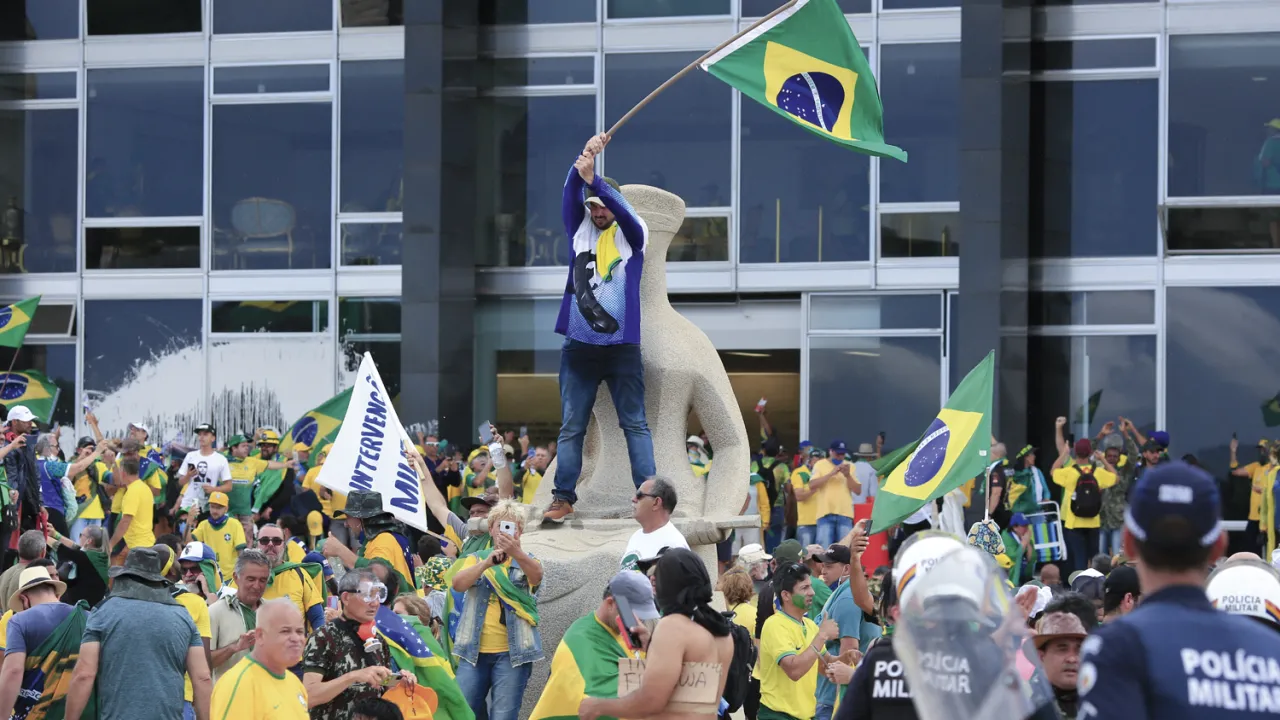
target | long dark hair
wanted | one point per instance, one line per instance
(684, 588)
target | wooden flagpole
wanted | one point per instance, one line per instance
(685, 71)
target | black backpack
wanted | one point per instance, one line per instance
(736, 685)
(1086, 501)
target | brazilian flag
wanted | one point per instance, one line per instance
(319, 424)
(414, 648)
(30, 388)
(955, 448)
(1271, 412)
(15, 320)
(805, 64)
(585, 665)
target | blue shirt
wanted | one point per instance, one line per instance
(848, 616)
(1178, 658)
(51, 473)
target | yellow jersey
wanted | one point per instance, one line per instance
(86, 488)
(224, 541)
(834, 497)
(139, 503)
(199, 611)
(1066, 478)
(249, 691)
(807, 509)
(781, 637)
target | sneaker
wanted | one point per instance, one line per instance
(559, 511)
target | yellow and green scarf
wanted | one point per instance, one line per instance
(525, 607)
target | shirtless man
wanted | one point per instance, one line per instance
(690, 631)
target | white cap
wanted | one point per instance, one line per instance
(753, 553)
(1246, 587)
(21, 414)
(694, 440)
(195, 551)
(140, 426)
(918, 556)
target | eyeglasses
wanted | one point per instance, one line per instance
(372, 592)
(270, 541)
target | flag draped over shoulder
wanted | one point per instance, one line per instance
(525, 607)
(319, 425)
(14, 321)
(585, 665)
(30, 388)
(954, 449)
(805, 64)
(414, 648)
(47, 671)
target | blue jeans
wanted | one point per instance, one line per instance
(805, 535)
(833, 528)
(582, 368)
(1111, 541)
(777, 520)
(1082, 545)
(493, 671)
(823, 712)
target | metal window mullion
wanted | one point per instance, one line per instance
(52, 104)
(135, 222)
(335, 163)
(510, 91)
(872, 332)
(805, 373)
(264, 335)
(272, 98)
(368, 218)
(1150, 73)
(1224, 201)
(921, 208)
(873, 178)
(1086, 330)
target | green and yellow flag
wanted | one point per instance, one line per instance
(805, 64)
(585, 665)
(525, 607)
(954, 449)
(30, 388)
(318, 425)
(14, 321)
(414, 648)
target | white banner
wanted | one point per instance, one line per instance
(369, 455)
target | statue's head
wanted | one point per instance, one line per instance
(662, 212)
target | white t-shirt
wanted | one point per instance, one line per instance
(643, 546)
(211, 468)
(867, 476)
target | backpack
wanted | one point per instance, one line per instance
(736, 685)
(1086, 501)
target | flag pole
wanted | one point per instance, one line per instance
(685, 71)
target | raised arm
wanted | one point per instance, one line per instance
(571, 205)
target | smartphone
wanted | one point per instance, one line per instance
(760, 405)
(524, 431)
(507, 527)
(626, 620)
(334, 602)
(486, 435)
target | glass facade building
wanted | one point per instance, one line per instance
(225, 203)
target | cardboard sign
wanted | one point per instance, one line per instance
(697, 692)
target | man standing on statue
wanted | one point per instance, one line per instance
(600, 319)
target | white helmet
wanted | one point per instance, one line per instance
(918, 555)
(1246, 587)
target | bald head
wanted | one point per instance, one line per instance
(272, 613)
(999, 451)
(279, 636)
(1244, 556)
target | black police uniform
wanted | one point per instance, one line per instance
(878, 690)
(1177, 658)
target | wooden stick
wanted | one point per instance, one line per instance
(672, 80)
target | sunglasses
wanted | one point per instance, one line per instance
(191, 571)
(270, 541)
(642, 495)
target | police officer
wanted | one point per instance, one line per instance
(1175, 656)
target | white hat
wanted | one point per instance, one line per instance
(919, 554)
(752, 553)
(1246, 587)
(694, 440)
(21, 414)
(140, 426)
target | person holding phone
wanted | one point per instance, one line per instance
(498, 638)
(20, 467)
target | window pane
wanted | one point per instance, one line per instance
(370, 325)
(526, 12)
(371, 13)
(269, 316)
(1093, 54)
(1220, 369)
(516, 72)
(907, 235)
(1094, 175)
(139, 167)
(271, 186)
(537, 141)
(700, 239)
(53, 320)
(142, 247)
(38, 86)
(56, 362)
(371, 243)
(760, 8)
(874, 312)
(1192, 229)
(368, 316)
(665, 8)
(803, 199)
(1089, 380)
(917, 4)
(894, 382)
(38, 190)
(270, 79)
(144, 17)
(920, 90)
(277, 16)
(681, 142)
(143, 362)
(267, 381)
(1121, 307)
(1221, 99)
(40, 20)
(372, 139)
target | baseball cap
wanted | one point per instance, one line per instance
(85, 442)
(138, 424)
(195, 551)
(644, 564)
(1151, 446)
(839, 446)
(804, 444)
(236, 440)
(1175, 490)
(218, 498)
(636, 589)
(694, 440)
(1026, 451)
(788, 551)
(593, 199)
(20, 413)
(1121, 581)
(837, 555)
(206, 427)
(468, 502)
(753, 553)
(1017, 519)
(1083, 447)
(1162, 437)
